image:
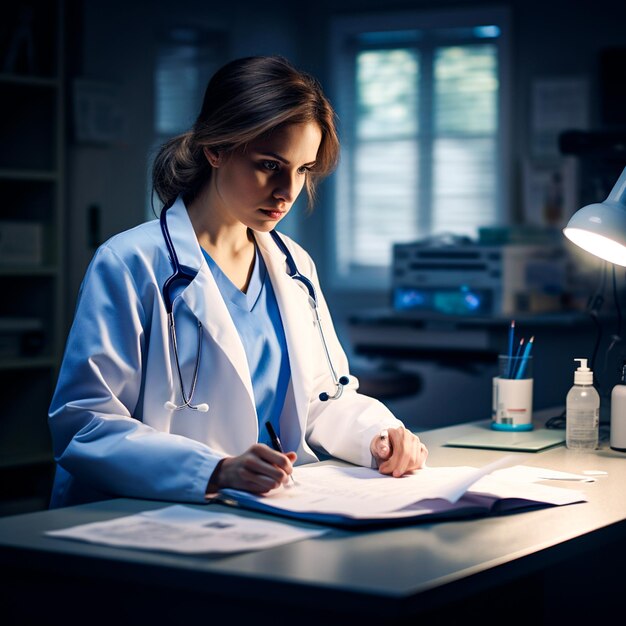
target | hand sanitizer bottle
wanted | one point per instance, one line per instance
(618, 413)
(582, 411)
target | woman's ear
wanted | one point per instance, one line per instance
(212, 156)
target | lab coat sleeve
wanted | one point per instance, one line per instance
(342, 428)
(95, 436)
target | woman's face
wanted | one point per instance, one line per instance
(258, 186)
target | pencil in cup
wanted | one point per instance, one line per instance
(509, 373)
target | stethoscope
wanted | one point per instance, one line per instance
(183, 275)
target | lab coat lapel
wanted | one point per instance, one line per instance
(297, 322)
(203, 296)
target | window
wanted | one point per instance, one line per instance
(186, 60)
(420, 99)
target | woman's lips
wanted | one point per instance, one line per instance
(273, 213)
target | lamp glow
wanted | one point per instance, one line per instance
(600, 228)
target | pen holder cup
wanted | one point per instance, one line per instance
(512, 400)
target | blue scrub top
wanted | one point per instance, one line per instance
(257, 319)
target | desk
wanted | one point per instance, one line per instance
(495, 570)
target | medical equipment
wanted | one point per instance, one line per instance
(183, 275)
(477, 280)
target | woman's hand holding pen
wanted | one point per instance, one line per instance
(398, 451)
(258, 470)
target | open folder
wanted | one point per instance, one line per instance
(357, 496)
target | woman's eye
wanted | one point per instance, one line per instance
(304, 169)
(272, 166)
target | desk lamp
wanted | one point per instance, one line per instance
(600, 228)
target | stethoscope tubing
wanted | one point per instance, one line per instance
(186, 399)
(184, 274)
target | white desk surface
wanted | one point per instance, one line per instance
(394, 571)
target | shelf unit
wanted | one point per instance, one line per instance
(32, 188)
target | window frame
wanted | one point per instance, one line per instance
(343, 29)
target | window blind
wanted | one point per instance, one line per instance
(421, 137)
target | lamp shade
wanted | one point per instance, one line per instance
(600, 228)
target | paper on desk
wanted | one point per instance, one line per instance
(528, 474)
(183, 529)
(363, 493)
(510, 483)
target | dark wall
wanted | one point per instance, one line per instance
(117, 40)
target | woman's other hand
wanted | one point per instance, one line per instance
(398, 451)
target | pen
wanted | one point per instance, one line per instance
(276, 443)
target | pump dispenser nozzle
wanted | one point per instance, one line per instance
(583, 375)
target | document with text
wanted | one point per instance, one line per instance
(353, 496)
(183, 529)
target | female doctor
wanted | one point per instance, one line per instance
(193, 331)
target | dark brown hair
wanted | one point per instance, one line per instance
(244, 100)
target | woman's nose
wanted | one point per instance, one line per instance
(287, 189)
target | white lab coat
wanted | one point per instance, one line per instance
(112, 435)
